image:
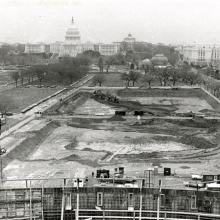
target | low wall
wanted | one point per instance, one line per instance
(211, 99)
(173, 92)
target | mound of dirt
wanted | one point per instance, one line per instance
(77, 158)
(72, 157)
(30, 144)
(185, 167)
(143, 155)
(116, 118)
(72, 145)
(198, 123)
(198, 142)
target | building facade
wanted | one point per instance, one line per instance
(72, 45)
(55, 47)
(71, 203)
(37, 48)
(129, 42)
(201, 54)
(88, 46)
(159, 60)
(107, 49)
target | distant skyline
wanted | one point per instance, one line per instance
(156, 21)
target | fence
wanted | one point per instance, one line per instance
(68, 203)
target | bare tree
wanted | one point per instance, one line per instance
(125, 77)
(6, 104)
(148, 78)
(15, 77)
(100, 79)
(134, 76)
(101, 64)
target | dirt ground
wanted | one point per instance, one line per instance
(183, 104)
(85, 135)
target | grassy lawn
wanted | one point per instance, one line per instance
(22, 97)
(5, 77)
(114, 80)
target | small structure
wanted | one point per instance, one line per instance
(78, 182)
(167, 171)
(102, 173)
(145, 64)
(159, 60)
(211, 178)
(140, 113)
(120, 113)
(119, 171)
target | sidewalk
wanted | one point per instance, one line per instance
(17, 126)
(30, 115)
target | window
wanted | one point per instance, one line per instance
(20, 208)
(68, 205)
(99, 198)
(193, 202)
(162, 200)
(130, 199)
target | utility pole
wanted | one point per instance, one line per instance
(2, 151)
(141, 199)
(77, 200)
(158, 200)
(30, 202)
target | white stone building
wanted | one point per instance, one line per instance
(129, 41)
(107, 49)
(88, 46)
(201, 54)
(55, 47)
(37, 48)
(72, 45)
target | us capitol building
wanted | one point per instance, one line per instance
(72, 45)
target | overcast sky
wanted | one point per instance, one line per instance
(165, 21)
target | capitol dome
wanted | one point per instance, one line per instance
(72, 45)
(72, 34)
(129, 39)
(159, 60)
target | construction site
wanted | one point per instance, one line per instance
(115, 153)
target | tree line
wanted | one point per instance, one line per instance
(105, 62)
(167, 76)
(164, 76)
(65, 71)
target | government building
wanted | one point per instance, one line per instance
(201, 54)
(37, 48)
(72, 45)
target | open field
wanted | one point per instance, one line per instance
(24, 96)
(113, 80)
(84, 134)
(5, 77)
